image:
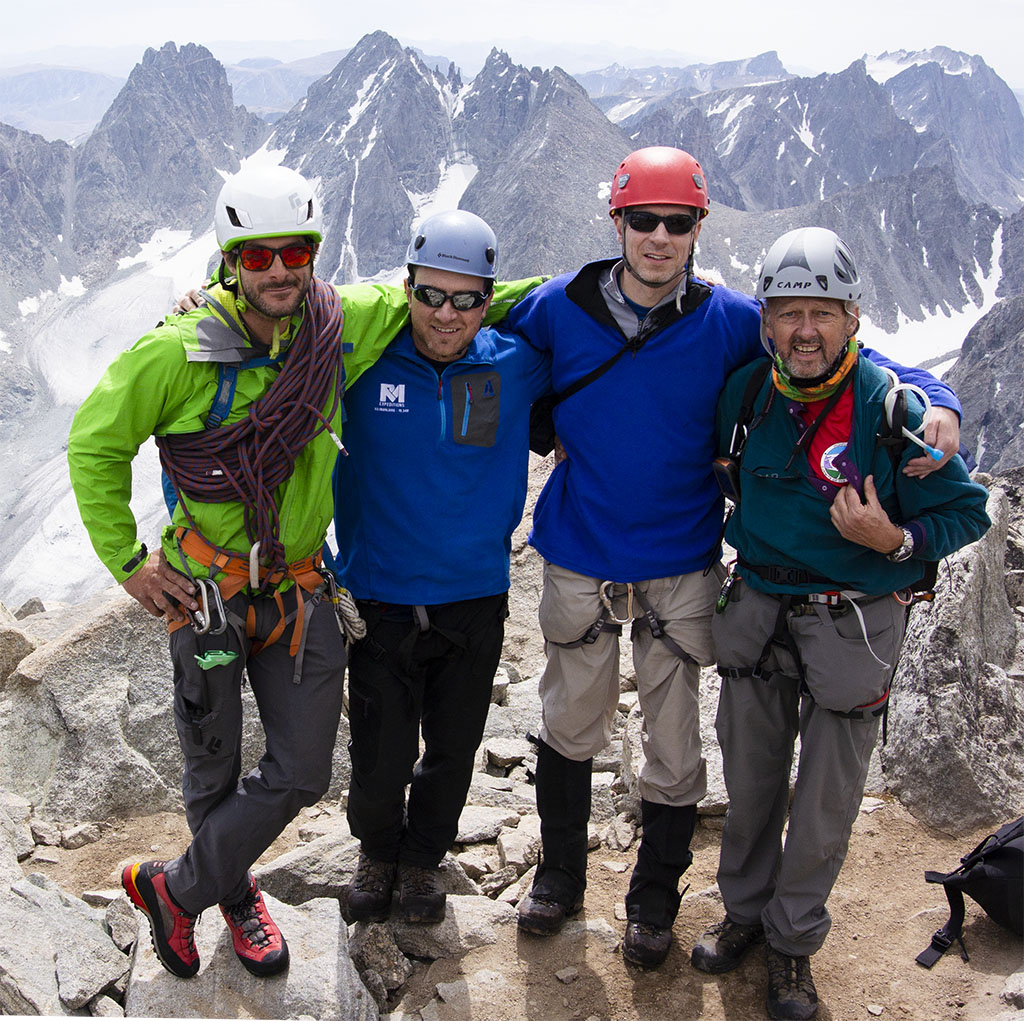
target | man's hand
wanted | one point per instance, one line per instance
(153, 584)
(943, 433)
(188, 303)
(866, 523)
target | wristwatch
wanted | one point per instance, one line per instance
(905, 548)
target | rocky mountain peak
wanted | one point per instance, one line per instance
(158, 156)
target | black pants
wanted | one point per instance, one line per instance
(402, 678)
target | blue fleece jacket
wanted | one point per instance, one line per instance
(435, 478)
(636, 498)
(783, 520)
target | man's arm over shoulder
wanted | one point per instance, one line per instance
(506, 294)
(943, 429)
(374, 315)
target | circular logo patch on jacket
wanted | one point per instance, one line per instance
(828, 464)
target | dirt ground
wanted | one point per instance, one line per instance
(883, 915)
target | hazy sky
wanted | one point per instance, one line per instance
(817, 37)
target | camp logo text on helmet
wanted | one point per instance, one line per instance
(812, 262)
(457, 241)
(266, 202)
(659, 175)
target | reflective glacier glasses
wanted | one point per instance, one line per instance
(645, 223)
(462, 301)
(257, 258)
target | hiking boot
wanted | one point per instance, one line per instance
(256, 938)
(791, 992)
(646, 945)
(542, 916)
(368, 897)
(722, 947)
(171, 927)
(421, 895)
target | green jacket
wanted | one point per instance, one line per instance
(783, 520)
(154, 388)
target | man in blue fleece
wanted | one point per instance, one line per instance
(830, 536)
(425, 506)
(630, 528)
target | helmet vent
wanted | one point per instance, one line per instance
(233, 217)
(489, 255)
(822, 281)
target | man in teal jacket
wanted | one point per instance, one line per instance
(831, 537)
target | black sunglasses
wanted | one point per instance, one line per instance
(462, 301)
(257, 258)
(645, 223)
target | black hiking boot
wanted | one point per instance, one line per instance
(723, 946)
(646, 945)
(421, 894)
(563, 803)
(791, 992)
(368, 897)
(543, 916)
(652, 900)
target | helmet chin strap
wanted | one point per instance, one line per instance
(686, 272)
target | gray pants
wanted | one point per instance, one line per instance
(757, 723)
(580, 686)
(233, 821)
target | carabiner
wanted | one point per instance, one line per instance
(606, 599)
(201, 620)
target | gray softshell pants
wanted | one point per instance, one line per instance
(786, 888)
(235, 818)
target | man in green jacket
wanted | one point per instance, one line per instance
(832, 536)
(244, 399)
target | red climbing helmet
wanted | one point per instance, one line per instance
(659, 175)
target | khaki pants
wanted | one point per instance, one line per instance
(580, 686)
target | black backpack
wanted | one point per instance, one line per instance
(993, 875)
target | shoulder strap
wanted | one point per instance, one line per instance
(227, 377)
(589, 378)
(745, 417)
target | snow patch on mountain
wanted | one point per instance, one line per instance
(455, 179)
(941, 333)
(889, 64)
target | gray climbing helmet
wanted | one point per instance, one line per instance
(457, 241)
(810, 262)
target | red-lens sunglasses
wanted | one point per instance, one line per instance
(257, 258)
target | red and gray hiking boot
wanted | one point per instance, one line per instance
(172, 927)
(256, 938)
